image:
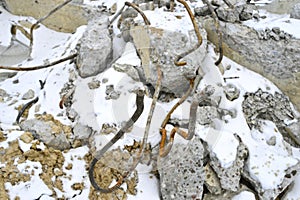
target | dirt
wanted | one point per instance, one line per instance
(110, 167)
(52, 162)
(2, 138)
(27, 137)
(10, 173)
(49, 158)
(57, 126)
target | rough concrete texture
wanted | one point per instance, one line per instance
(295, 13)
(94, 48)
(206, 114)
(293, 130)
(3, 93)
(240, 12)
(280, 7)
(62, 20)
(161, 47)
(275, 34)
(247, 194)
(48, 130)
(227, 14)
(28, 95)
(263, 105)
(6, 75)
(182, 172)
(279, 61)
(81, 131)
(230, 176)
(202, 11)
(246, 11)
(231, 92)
(212, 181)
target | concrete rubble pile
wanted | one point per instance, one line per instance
(191, 170)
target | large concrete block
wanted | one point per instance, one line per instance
(279, 61)
(66, 19)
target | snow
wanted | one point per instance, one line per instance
(129, 56)
(75, 157)
(244, 195)
(160, 19)
(261, 1)
(32, 189)
(147, 188)
(35, 188)
(267, 164)
(294, 192)
(12, 136)
(289, 25)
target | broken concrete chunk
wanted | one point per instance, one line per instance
(94, 48)
(63, 20)
(202, 11)
(81, 131)
(293, 131)
(206, 114)
(28, 95)
(272, 141)
(276, 30)
(157, 46)
(181, 172)
(3, 93)
(108, 128)
(111, 93)
(6, 75)
(71, 114)
(94, 84)
(295, 13)
(263, 105)
(278, 61)
(51, 132)
(230, 177)
(275, 34)
(227, 14)
(247, 12)
(231, 92)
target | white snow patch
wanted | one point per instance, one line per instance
(294, 192)
(24, 146)
(129, 56)
(244, 195)
(77, 174)
(289, 25)
(11, 136)
(32, 189)
(267, 164)
(160, 19)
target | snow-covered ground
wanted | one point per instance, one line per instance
(283, 21)
(50, 45)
